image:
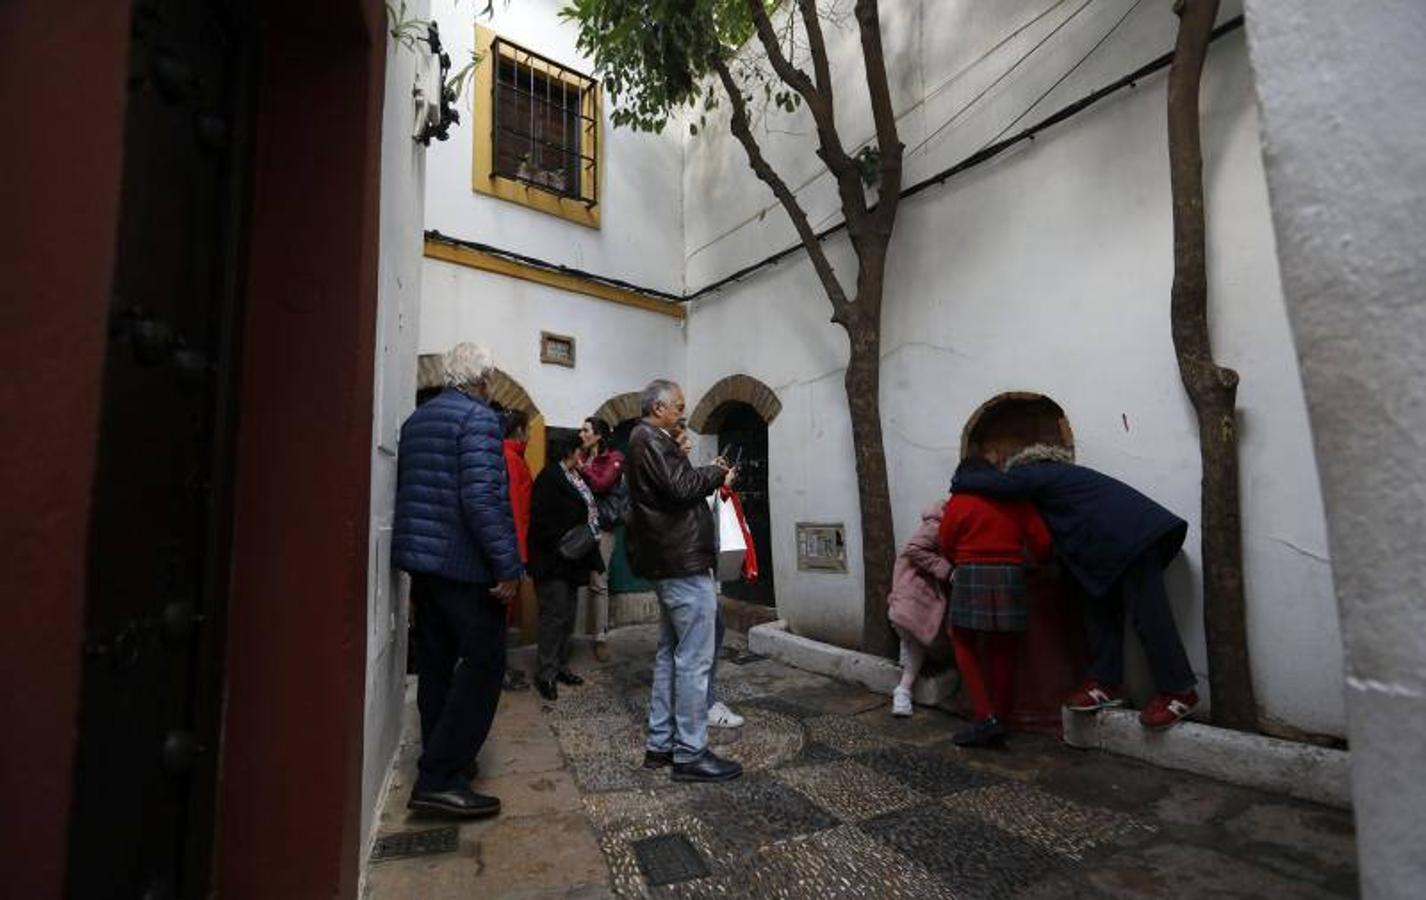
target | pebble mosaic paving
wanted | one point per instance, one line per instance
(833, 805)
(837, 802)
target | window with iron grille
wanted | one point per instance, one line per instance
(544, 131)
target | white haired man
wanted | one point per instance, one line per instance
(454, 533)
(671, 543)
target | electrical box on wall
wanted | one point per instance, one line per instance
(821, 547)
(557, 349)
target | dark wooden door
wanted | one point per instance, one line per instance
(742, 429)
(142, 814)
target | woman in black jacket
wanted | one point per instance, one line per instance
(561, 506)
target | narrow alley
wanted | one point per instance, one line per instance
(840, 800)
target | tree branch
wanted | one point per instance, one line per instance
(819, 102)
(818, 46)
(797, 79)
(742, 130)
(888, 142)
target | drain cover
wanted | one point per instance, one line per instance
(669, 858)
(415, 843)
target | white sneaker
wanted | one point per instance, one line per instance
(901, 702)
(720, 716)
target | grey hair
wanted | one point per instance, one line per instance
(467, 363)
(1040, 453)
(660, 390)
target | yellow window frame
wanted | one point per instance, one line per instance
(482, 178)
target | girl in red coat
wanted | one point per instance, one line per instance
(989, 541)
(517, 426)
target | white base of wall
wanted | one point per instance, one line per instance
(1303, 771)
(875, 673)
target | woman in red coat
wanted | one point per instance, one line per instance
(989, 541)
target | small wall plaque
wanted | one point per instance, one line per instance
(821, 547)
(556, 349)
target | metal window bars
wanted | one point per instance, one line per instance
(544, 124)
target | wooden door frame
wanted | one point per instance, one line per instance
(289, 807)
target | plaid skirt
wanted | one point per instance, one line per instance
(989, 598)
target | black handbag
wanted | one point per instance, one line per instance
(613, 506)
(577, 543)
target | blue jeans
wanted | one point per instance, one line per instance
(678, 704)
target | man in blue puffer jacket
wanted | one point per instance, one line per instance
(454, 533)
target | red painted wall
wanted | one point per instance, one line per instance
(290, 783)
(62, 71)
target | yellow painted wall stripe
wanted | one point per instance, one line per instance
(489, 262)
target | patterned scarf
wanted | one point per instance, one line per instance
(590, 507)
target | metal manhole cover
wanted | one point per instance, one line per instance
(415, 843)
(669, 858)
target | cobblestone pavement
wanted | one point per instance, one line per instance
(841, 800)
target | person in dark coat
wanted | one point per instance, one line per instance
(1116, 543)
(560, 503)
(454, 533)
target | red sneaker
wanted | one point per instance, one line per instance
(1093, 696)
(1166, 709)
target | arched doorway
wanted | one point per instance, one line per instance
(742, 435)
(1017, 418)
(1053, 655)
(738, 409)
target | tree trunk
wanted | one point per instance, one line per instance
(1211, 388)
(863, 384)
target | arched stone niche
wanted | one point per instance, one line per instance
(1019, 418)
(430, 374)
(1053, 654)
(619, 408)
(707, 415)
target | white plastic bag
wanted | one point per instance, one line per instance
(732, 546)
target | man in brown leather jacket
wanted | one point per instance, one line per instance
(671, 542)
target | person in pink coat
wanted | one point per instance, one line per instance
(917, 602)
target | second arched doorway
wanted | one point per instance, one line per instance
(1016, 419)
(742, 437)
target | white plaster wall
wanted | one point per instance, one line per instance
(617, 348)
(641, 235)
(403, 170)
(1340, 84)
(1048, 270)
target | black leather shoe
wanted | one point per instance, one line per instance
(547, 689)
(708, 767)
(568, 677)
(657, 759)
(982, 734)
(459, 802)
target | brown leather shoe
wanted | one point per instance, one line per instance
(601, 651)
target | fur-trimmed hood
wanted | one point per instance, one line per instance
(1040, 453)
